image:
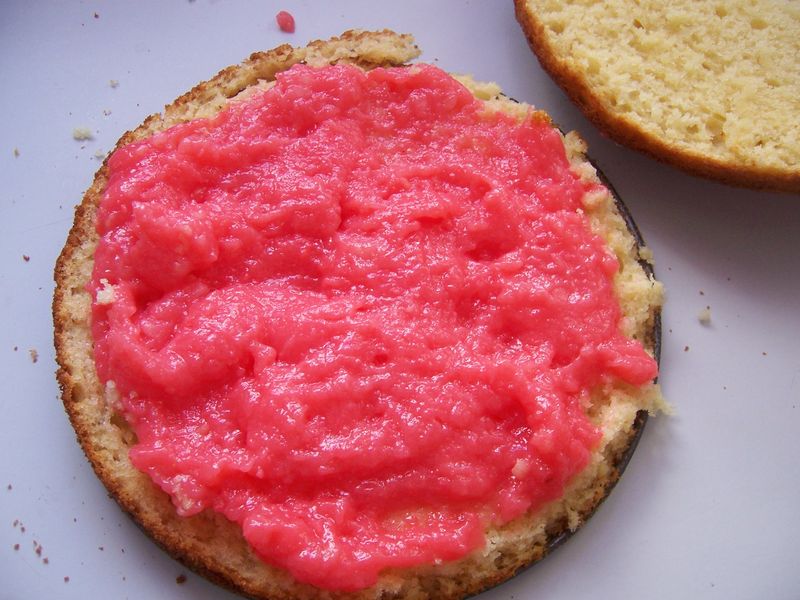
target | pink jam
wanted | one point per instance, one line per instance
(285, 21)
(357, 315)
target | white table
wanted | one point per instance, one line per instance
(709, 505)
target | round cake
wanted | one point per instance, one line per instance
(710, 87)
(335, 325)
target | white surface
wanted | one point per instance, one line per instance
(709, 505)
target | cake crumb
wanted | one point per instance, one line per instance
(16, 546)
(66, 578)
(9, 488)
(702, 293)
(520, 468)
(592, 200)
(705, 316)
(46, 560)
(113, 83)
(16, 152)
(763, 354)
(180, 579)
(82, 133)
(686, 348)
(100, 155)
(26, 258)
(105, 295)
(34, 355)
(96, 16)
(106, 112)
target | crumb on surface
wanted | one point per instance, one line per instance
(106, 112)
(285, 21)
(705, 316)
(34, 355)
(26, 258)
(96, 16)
(66, 578)
(82, 133)
(180, 579)
(113, 83)
(100, 155)
(686, 348)
(16, 546)
(16, 152)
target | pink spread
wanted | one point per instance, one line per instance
(285, 21)
(357, 315)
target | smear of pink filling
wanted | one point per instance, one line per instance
(356, 315)
(285, 21)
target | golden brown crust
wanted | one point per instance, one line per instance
(627, 131)
(208, 543)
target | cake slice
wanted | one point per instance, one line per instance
(146, 294)
(709, 87)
